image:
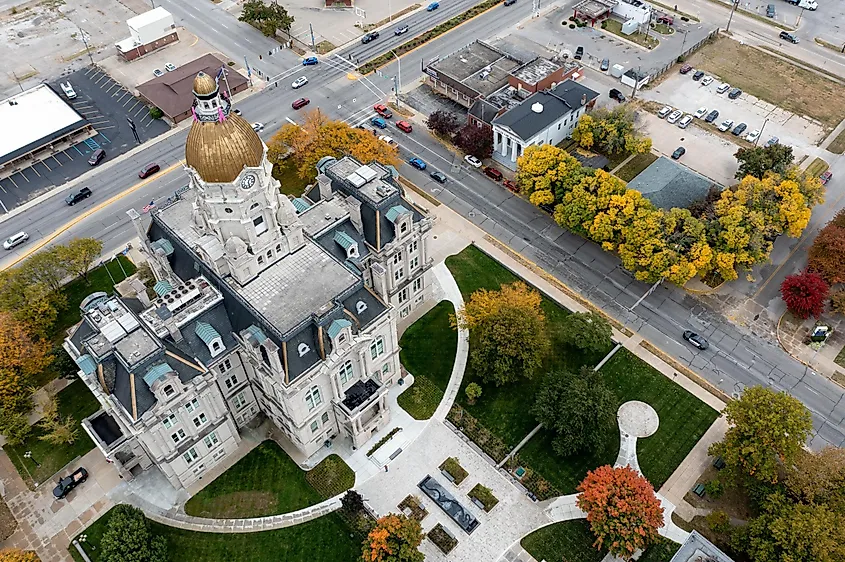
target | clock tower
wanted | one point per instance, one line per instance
(245, 223)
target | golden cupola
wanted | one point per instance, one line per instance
(220, 142)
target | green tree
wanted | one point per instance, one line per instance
(787, 532)
(507, 332)
(31, 304)
(766, 432)
(128, 538)
(22, 357)
(759, 160)
(588, 331)
(266, 17)
(57, 431)
(14, 426)
(611, 132)
(473, 392)
(819, 478)
(579, 409)
(79, 255)
(395, 538)
(47, 267)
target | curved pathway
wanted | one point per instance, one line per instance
(452, 293)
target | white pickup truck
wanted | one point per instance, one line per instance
(811, 5)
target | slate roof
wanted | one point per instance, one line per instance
(558, 102)
(483, 110)
(395, 212)
(329, 242)
(82, 332)
(144, 398)
(195, 348)
(668, 184)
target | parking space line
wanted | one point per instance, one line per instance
(24, 177)
(12, 179)
(139, 111)
(120, 91)
(49, 169)
(77, 149)
(133, 105)
(34, 170)
(110, 88)
(59, 162)
(105, 128)
(100, 79)
(123, 96)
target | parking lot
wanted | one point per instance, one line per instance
(106, 105)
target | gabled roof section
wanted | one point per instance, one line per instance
(395, 212)
(206, 332)
(162, 244)
(337, 326)
(156, 372)
(344, 240)
(86, 364)
(162, 287)
(257, 333)
(301, 204)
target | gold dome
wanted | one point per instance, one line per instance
(218, 151)
(204, 84)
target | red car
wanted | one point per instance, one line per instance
(404, 126)
(300, 103)
(383, 110)
(825, 177)
(686, 68)
(493, 173)
(148, 170)
(511, 185)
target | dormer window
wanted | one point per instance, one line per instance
(403, 228)
(337, 328)
(209, 337)
(348, 243)
(360, 307)
(215, 346)
(168, 391)
(253, 206)
(302, 349)
(260, 225)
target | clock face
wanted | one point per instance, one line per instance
(248, 181)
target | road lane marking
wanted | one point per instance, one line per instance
(115, 198)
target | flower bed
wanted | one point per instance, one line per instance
(455, 470)
(383, 440)
(441, 537)
(480, 435)
(418, 512)
(484, 495)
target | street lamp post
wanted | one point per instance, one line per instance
(730, 17)
(397, 84)
(29, 456)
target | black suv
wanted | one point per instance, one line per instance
(617, 95)
(75, 198)
(372, 36)
(579, 52)
(788, 37)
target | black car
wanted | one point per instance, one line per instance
(739, 129)
(75, 198)
(787, 36)
(579, 52)
(605, 64)
(372, 36)
(439, 177)
(510, 2)
(712, 116)
(680, 151)
(696, 340)
(617, 95)
(735, 93)
(699, 74)
(68, 483)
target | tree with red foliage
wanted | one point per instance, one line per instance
(827, 254)
(395, 538)
(443, 123)
(475, 140)
(623, 512)
(805, 294)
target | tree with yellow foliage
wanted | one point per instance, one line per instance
(17, 555)
(507, 328)
(610, 132)
(395, 538)
(21, 358)
(592, 195)
(320, 136)
(547, 168)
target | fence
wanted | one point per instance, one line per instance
(664, 69)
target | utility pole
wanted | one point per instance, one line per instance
(636, 83)
(733, 9)
(397, 81)
(763, 128)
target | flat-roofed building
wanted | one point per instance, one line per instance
(148, 32)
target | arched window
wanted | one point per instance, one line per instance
(360, 307)
(253, 206)
(302, 349)
(168, 391)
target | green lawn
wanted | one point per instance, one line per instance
(331, 477)
(421, 398)
(662, 551)
(636, 165)
(569, 541)
(326, 539)
(74, 400)
(245, 490)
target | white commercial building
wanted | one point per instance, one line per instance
(147, 32)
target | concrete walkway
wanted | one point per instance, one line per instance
(453, 294)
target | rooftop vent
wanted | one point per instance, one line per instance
(537, 107)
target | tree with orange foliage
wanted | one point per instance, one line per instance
(17, 555)
(623, 512)
(320, 136)
(21, 357)
(395, 538)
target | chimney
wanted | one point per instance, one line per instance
(355, 213)
(325, 187)
(583, 99)
(175, 333)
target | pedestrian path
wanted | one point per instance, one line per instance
(453, 294)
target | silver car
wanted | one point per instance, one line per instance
(15, 240)
(673, 118)
(299, 82)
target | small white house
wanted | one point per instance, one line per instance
(546, 117)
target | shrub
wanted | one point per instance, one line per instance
(718, 521)
(473, 392)
(485, 496)
(156, 113)
(714, 488)
(805, 294)
(442, 539)
(478, 434)
(454, 468)
(572, 26)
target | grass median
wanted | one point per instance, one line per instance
(428, 35)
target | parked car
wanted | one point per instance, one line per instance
(493, 173)
(97, 156)
(257, 127)
(685, 121)
(617, 95)
(725, 125)
(753, 136)
(310, 61)
(387, 139)
(787, 36)
(157, 72)
(404, 126)
(68, 483)
(605, 64)
(378, 122)
(169, 67)
(739, 129)
(723, 88)
(417, 163)
(673, 118)
(707, 80)
(68, 90)
(300, 103)
(15, 240)
(579, 52)
(433, 6)
(770, 11)
(680, 151)
(664, 111)
(701, 112)
(299, 82)
(699, 74)
(772, 141)
(825, 177)
(401, 30)
(510, 2)
(236, 111)
(75, 198)
(695, 339)
(371, 36)
(511, 185)
(472, 161)
(149, 170)
(383, 110)
(712, 116)
(439, 177)
(735, 93)
(685, 69)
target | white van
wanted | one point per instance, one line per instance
(68, 90)
(811, 5)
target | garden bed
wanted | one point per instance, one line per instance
(414, 507)
(484, 495)
(442, 539)
(455, 470)
(383, 440)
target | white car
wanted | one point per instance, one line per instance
(169, 67)
(707, 80)
(685, 121)
(673, 118)
(387, 139)
(726, 124)
(299, 82)
(472, 161)
(664, 111)
(68, 90)
(723, 88)
(257, 127)
(15, 240)
(753, 136)
(702, 111)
